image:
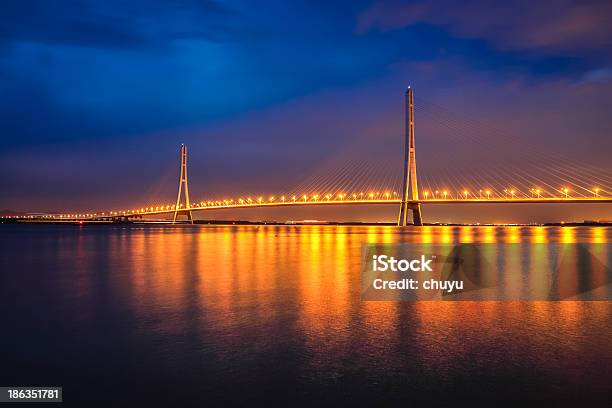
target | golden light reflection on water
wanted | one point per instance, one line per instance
(568, 235)
(512, 235)
(538, 235)
(488, 234)
(259, 286)
(466, 234)
(598, 236)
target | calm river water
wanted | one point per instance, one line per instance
(196, 315)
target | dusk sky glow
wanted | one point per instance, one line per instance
(97, 96)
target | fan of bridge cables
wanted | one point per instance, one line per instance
(455, 155)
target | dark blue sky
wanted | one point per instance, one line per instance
(97, 95)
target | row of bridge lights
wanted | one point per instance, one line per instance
(508, 193)
(251, 201)
(295, 198)
(313, 198)
(436, 194)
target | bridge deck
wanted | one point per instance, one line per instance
(583, 200)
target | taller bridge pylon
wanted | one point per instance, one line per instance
(410, 192)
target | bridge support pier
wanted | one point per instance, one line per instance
(410, 192)
(417, 218)
(186, 213)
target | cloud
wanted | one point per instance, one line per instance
(596, 76)
(568, 27)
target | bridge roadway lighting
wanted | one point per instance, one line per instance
(305, 197)
(341, 196)
(537, 192)
(315, 197)
(387, 195)
(488, 193)
(512, 194)
(426, 194)
(596, 191)
(371, 196)
(445, 194)
(328, 196)
(465, 193)
(283, 199)
(566, 191)
(293, 198)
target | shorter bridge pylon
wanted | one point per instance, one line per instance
(183, 183)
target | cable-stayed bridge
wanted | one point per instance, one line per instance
(540, 178)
